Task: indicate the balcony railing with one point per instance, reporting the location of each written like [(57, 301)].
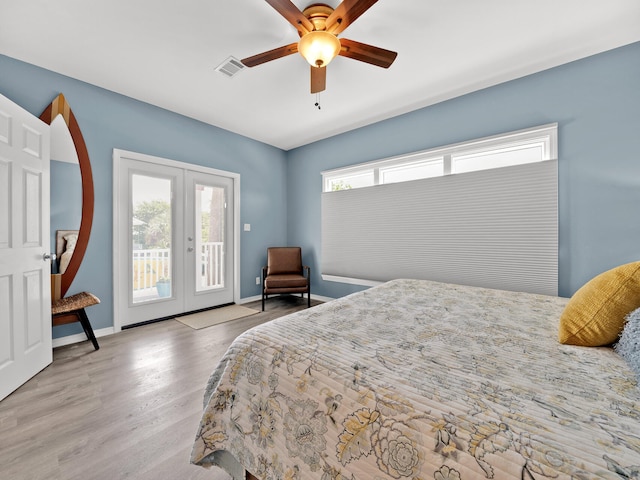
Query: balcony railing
[(212, 266), (151, 265)]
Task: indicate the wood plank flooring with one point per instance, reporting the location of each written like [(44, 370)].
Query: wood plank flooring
[(128, 410)]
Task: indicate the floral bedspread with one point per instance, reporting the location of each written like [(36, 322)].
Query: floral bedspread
[(422, 380)]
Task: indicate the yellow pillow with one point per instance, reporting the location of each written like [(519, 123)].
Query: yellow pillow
[(596, 313)]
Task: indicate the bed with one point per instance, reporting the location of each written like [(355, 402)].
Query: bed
[(421, 380)]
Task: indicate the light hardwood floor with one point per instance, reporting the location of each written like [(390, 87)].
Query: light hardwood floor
[(128, 410)]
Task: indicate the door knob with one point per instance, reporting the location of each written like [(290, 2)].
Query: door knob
[(48, 256)]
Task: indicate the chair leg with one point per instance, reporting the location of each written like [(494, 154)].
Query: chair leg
[(86, 325), (263, 300), (309, 299)]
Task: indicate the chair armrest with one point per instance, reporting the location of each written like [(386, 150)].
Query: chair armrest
[(307, 269)]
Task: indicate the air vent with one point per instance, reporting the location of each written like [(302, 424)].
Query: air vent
[(230, 67)]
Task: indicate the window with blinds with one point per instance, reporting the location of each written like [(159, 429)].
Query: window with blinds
[(487, 225)]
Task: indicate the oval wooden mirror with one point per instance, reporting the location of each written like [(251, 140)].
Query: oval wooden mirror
[(59, 106)]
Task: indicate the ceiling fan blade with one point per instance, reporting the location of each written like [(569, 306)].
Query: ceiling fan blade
[(346, 13), (318, 79), (274, 54), (367, 53), (292, 14)]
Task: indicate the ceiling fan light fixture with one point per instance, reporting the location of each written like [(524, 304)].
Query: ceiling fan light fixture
[(319, 47)]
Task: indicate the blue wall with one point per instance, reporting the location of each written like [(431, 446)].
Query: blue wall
[(596, 103), (109, 121)]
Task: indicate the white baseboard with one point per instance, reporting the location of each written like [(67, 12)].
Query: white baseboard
[(259, 297), (321, 299), (255, 298), (81, 337)]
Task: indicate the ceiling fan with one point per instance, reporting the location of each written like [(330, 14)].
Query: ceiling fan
[(318, 26)]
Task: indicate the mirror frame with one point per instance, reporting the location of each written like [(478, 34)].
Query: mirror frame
[(59, 106)]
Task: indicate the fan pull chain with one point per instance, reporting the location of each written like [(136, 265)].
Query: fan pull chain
[(317, 104)]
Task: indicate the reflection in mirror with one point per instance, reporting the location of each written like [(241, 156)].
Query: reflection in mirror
[(66, 193), (66, 241), (59, 114)]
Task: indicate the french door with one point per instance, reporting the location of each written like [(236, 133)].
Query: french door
[(175, 240)]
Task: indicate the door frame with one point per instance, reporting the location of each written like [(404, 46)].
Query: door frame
[(119, 197)]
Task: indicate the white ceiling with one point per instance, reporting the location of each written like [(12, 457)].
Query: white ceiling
[(165, 53)]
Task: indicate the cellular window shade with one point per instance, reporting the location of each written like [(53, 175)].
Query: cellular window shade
[(491, 228)]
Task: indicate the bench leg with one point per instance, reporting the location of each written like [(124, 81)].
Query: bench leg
[(86, 325)]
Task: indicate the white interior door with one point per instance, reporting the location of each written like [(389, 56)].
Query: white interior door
[(25, 289), (174, 237)]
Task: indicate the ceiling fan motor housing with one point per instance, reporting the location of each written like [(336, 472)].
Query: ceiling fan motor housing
[(317, 14)]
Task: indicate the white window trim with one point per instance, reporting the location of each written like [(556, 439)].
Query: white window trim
[(547, 132)]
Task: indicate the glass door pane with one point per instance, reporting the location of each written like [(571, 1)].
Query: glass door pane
[(151, 235), (209, 240), (210, 235)]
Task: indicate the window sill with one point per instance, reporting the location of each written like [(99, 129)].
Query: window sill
[(351, 281)]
